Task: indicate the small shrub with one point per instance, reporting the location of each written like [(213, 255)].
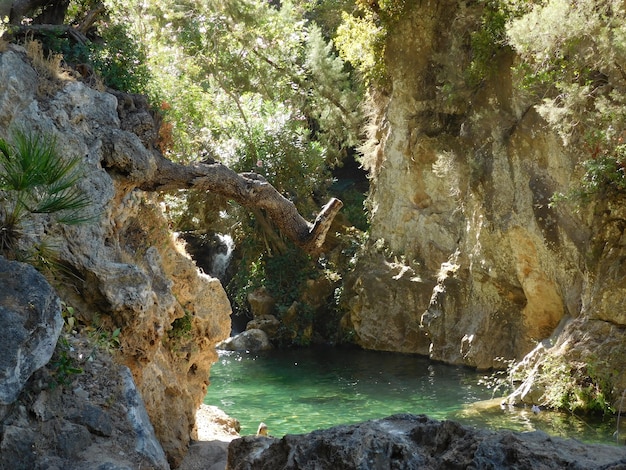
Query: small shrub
[(181, 327), (35, 179), (62, 365), (574, 387), (108, 341), (604, 175)]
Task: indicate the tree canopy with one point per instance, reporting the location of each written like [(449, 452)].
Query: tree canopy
[(249, 84)]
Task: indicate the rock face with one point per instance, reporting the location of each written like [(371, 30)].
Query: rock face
[(417, 442), (127, 271), (468, 261), (31, 323), (53, 413)]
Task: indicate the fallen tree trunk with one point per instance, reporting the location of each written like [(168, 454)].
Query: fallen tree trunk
[(249, 190)]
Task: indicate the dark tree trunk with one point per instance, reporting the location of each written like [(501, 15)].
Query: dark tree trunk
[(41, 11)]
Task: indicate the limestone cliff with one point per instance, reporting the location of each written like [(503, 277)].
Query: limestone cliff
[(127, 270), (467, 260)]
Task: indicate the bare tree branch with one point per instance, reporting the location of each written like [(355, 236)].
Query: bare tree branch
[(250, 190)]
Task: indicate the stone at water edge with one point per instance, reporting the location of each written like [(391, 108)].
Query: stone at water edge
[(252, 340), (410, 442)]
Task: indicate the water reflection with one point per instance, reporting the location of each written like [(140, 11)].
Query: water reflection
[(302, 390)]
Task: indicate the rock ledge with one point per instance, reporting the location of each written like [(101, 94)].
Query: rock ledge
[(418, 442)]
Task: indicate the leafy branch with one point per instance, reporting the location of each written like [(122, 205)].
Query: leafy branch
[(35, 179)]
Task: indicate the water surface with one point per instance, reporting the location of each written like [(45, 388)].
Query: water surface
[(298, 391)]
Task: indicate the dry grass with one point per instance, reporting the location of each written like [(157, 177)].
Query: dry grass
[(49, 67), (4, 45)]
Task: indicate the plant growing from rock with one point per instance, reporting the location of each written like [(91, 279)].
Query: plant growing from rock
[(63, 366), (35, 180)]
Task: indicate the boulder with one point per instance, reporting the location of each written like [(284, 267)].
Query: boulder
[(250, 340), (94, 418), (31, 324), (267, 323), (417, 442), (261, 302)]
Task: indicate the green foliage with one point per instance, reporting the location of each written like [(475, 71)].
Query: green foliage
[(572, 387), (105, 340), (116, 56), (237, 67), (181, 327), (389, 11), (282, 275), (604, 176), (120, 60), (487, 42), (354, 208), (62, 365), (572, 56), (327, 14), (35, 179), (361, 36), (361, 42)]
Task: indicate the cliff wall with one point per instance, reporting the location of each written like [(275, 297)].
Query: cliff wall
[(123, 269), (468, 262)]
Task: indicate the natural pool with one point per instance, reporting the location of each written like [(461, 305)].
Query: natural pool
[(297, 391)]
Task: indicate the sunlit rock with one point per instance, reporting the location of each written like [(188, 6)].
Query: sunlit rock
[(468, 261), (252, 340)]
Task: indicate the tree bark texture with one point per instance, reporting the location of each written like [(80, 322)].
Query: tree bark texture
[(249, 190)]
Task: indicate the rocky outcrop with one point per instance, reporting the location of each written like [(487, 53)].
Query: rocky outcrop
[(31, 324), (417, 442), (124, 269), (468, 261), (73, 409)]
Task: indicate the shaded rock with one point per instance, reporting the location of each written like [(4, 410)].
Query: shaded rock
[(95, 419), (31, 323), (250, 340), (416, 442), (17, 448), (72, 439), (146, 442), (267, 323), (261, 302), (51, 427)]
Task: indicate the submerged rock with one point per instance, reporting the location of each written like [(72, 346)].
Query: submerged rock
[(417, 442)]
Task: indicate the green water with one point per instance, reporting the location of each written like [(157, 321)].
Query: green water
[(298, 391)]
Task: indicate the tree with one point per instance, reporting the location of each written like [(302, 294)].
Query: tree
[(572, 59), (241, 91), (250, 190)]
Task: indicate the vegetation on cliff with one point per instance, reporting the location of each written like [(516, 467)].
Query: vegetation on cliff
[(274, 91), (36, 179)]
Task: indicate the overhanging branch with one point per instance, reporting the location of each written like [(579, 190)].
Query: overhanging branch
[(250, 190)]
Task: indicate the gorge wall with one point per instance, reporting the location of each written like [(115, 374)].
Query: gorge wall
[(468, 262), (123, 269)]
